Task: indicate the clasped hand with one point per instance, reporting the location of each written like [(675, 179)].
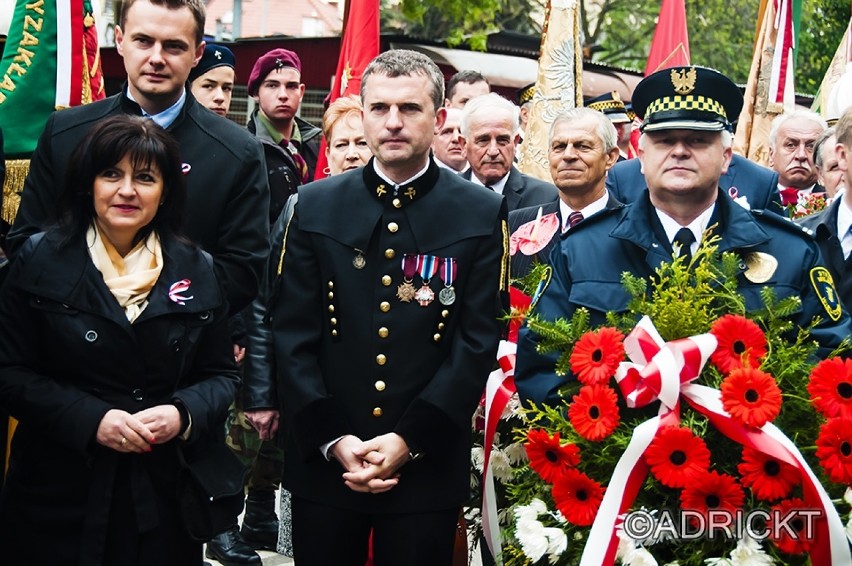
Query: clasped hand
[(123, 432), (372, 466)]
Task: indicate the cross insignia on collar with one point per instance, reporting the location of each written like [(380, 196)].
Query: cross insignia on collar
[(217, 54), (380, 190), (410, 192)]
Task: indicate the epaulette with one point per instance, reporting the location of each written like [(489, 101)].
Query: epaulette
[(782, 222), (594, 219)]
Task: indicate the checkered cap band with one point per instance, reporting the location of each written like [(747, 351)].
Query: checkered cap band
[(689, 102), (605, 105), (526, 95)]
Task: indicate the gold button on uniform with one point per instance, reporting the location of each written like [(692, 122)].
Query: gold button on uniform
[(334, 332), (386, 280), (333, 321), (330, 308), (381, 359), (383, 332), (330, 295), (445, 313), (384, 306), (393, 227), (377, 412), (380, 385), (397, 203), (331, 284), (440, 326), (390, 253), (436, 337)]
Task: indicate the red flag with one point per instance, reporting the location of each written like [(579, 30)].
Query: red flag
[(669, 48), (358, 46)]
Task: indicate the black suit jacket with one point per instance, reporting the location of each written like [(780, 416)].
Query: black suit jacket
[(523, 190), (823, 225), (758, 184), (521, 264)]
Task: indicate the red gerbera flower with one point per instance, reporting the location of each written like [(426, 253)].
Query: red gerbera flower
[(768, 477), (676, 456), (712, 491), (547, 456), (577, 496), (834, 449), (830, 388), (751, 396), (594, 412), (791, 531), (596, 355), (741, 343)]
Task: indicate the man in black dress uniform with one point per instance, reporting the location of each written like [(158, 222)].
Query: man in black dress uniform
[(385, 329)]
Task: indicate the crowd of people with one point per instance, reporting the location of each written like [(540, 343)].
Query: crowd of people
[(181, 297)]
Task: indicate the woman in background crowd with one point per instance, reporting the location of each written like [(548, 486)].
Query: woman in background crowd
[(114, 350)]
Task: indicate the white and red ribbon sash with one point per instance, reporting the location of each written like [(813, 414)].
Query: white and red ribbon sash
[(498, 391), (664, 371)]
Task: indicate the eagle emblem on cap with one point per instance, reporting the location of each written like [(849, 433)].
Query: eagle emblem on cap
[(684, 80)]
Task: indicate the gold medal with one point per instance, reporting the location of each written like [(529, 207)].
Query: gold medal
[(405, 291)]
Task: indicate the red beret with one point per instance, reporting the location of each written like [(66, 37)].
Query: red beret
[(275, 59)]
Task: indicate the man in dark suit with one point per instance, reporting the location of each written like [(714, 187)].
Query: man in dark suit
[(791, 153), (583, 147), (386, 334), (489, 124), (744, 178), (832, 227), (227, 191)]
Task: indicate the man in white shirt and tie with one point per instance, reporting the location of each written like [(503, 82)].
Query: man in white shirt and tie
[(832, 227), (791, 153), (583, 147)]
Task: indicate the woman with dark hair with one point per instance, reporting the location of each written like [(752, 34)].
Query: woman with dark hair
[(114, 357)]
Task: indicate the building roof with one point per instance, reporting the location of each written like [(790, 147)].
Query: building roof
[(263, 18)]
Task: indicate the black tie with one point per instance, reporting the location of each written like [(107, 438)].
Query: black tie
[(684, 238)]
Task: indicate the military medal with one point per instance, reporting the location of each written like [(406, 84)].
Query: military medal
[(405, 291), (427, 265), (358, 262), (447, 295)]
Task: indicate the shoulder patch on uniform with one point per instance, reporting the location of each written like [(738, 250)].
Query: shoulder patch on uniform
[(546, 275), (823, 285)]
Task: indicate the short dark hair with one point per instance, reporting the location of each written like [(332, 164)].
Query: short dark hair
[(107, 143), (199, 13), (407, 63), (466, 76)]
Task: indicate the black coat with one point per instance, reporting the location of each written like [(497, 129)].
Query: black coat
[(823, 226), (523, 190), (354, 359), (758, 184), (227, 194), (67, 356), (631, 239), (521, 264)]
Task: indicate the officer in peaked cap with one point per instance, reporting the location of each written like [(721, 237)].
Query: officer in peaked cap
[(684, 149), (611, 105), (523, 98), (697, 99)]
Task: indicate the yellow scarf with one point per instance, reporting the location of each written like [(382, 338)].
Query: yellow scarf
[(129, 278)]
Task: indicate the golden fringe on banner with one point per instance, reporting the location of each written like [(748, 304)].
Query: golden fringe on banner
[(559, 84), (16, 172)]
